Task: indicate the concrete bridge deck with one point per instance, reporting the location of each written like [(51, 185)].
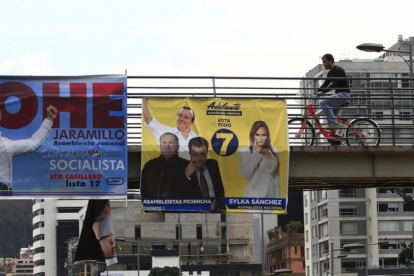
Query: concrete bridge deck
[(318, 167), (351, 167)]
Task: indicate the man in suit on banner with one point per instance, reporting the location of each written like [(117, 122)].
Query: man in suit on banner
[(204, 175), (164, 176)]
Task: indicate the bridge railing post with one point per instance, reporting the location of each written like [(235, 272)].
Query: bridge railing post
[(392, 112)]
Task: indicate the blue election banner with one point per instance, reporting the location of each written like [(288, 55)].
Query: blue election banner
[(63, 137)]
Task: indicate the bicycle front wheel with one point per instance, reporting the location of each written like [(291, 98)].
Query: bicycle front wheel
[(301, 134), (363, 132)]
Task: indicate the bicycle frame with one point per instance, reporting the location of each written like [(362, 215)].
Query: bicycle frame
[(328, 134)]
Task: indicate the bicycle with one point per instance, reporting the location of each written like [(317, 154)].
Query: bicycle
[(358, 132)]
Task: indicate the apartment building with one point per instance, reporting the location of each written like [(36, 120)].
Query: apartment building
[(54, 223), (286, 252), (366, 216)]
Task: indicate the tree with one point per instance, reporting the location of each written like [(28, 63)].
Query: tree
[(164, 271), (271, 234), (294, 227), (16, 226), (406, 255)]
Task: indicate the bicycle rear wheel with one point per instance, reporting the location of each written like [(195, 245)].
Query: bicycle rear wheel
[(363, 132), (301, 134)]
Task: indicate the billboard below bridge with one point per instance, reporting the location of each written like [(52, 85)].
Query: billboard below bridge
[(63, 137), (214, 155)]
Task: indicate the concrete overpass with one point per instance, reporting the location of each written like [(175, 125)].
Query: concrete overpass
[(342, 167)]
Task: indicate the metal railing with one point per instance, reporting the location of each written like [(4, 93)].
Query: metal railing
[(388, 101)]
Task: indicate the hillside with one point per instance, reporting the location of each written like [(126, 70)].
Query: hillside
[(15, 226)]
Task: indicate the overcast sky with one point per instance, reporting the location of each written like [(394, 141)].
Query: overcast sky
[(221, 38)]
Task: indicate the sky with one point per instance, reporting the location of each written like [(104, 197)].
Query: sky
[(192, 37)]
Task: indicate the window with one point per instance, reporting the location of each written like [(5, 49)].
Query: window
[(323, 230), (307, 253), (137, 232), (307, 235), (199, 232), (313, 195), (306, 218), (324, 194), (39, 238), (387, 207), (349, 209), (404, 115), (347, 193), (389, 262), (378, 115), (313, 213), (349, 228), (306, 200), (68, 209), (324, 247), (323, 211), (177, 232), (388, 226), (408, 225), (408, 207), (405, 83), (386, 191), (391, 245), (351, 265)]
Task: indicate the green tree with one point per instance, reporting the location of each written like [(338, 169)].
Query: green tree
[(164, 271), (271, 234), (294, 227), (16, 226), (406, 255)]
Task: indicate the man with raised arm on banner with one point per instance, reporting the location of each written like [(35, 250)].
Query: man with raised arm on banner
[(185, 119), (10, 148), (204, 174), (164, 176)]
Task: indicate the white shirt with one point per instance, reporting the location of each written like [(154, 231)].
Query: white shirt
[(159, 129), (10, 148)]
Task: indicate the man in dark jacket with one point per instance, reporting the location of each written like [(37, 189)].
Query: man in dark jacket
[(204, 174), (331, 104), (165, 176)]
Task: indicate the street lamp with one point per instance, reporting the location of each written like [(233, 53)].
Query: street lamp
[(366, 253), (374, 47), (348, 246), (284, 271)]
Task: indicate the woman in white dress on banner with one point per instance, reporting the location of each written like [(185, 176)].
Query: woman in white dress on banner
[(259, 164)]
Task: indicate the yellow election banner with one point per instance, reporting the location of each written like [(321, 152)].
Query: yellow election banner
[(214, 155)]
